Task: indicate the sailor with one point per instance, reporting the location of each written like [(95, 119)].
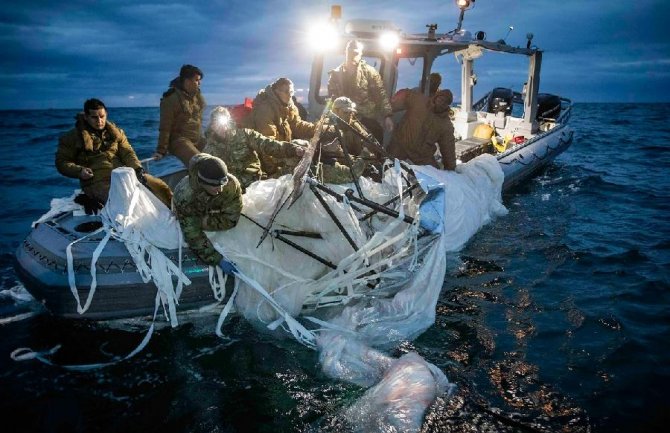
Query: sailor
[(95, 147), (434, 83), (350, 135), (426, 123), (248, 154), (181, 110), (362, 83), (208, 199), (275, 115)]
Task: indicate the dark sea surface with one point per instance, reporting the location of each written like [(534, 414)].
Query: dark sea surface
[(558, 319)]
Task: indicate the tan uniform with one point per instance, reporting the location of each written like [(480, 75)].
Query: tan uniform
[(419, 130), (364, 86), (274, 119), (102, 152), (180, 130)]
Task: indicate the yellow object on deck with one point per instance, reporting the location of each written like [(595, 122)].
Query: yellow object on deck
[(483, 131), (501, 147)]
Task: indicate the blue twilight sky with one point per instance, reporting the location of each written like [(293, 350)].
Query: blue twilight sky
[(55, 54)]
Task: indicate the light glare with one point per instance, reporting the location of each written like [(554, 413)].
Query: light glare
[(323, 37), (389, 41)]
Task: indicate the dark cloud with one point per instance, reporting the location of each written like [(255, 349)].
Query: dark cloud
[(55, 54)]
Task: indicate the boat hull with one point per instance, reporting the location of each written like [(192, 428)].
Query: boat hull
[(120, 292), (522, 162)]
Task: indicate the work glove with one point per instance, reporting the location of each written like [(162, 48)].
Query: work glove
[(91, 205), (228, 267), (139, 172)]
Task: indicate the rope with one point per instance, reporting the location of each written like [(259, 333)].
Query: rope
[(26, 353)]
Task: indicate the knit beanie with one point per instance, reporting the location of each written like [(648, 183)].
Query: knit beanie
[(213, 171)]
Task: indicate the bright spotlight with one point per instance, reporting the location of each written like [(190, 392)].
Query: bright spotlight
[(389, 40), (323, 37), (222, 121)]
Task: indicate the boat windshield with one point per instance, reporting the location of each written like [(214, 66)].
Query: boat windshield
[(409, 73)]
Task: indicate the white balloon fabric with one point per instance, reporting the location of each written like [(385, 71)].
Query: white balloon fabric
[(372, 288)]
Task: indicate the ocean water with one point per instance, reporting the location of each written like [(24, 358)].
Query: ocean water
[(558, 318)]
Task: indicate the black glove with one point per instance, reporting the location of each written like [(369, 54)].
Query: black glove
[(139, 172), (91, 205)]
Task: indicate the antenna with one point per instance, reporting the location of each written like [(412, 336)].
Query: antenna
[(463, 5), (508, 32)]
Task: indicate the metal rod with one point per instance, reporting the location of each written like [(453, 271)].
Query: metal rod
[(301, 233), (371, 213), (376, 206), (333, 217), (294, 245), (368, 139), (339, 197), (304, 250)]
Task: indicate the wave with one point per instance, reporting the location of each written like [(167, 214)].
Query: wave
[(45, 138), (654, 148), (60, 126)]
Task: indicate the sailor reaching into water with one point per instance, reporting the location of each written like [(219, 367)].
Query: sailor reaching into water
[(95, 147), (208, 199)]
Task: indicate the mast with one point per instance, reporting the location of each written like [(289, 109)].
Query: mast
[(532, 89)]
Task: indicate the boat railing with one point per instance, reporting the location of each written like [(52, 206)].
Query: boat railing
[(566, 111), (483, 102)]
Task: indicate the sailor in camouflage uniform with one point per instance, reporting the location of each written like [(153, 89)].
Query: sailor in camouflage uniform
[(208, 199), (95, 147), (338, 135), (252, 156), (182, 106), (248, 154), (360, 82)]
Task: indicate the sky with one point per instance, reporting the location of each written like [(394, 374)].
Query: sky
[(57, 54)]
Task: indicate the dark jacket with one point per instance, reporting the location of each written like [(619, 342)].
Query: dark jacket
[(274, 119), (419, 130), (180, 117), (101, 152)]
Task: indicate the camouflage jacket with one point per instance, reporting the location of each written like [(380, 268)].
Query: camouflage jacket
[(354, 143), (419, 130), (249, 155), (364, 86), (181, 116), (274, 119), (102, 152), (197, 211)]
